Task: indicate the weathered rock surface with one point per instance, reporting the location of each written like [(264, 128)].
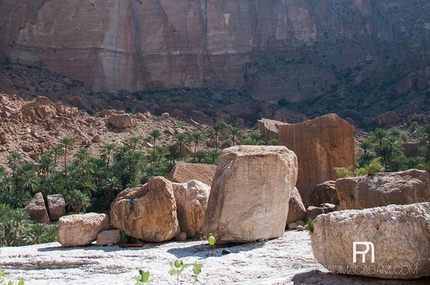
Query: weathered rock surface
[(37, 209), (323, 193), (407, 187), (320, 145), (81, 229), (396, 256), (296, 209), (183, 172), (388, 118), (268, 128), (250, 193), (191, 200), (153, 216), (134, 45), (56, 206), (108, 237)]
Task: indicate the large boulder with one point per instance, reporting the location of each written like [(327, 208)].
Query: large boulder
[(296, 209), (322, 193), (382, 189), (121, 121), (320, 145), (56, 206), (108, 237), (250, 193), (191, 200), (378, 230), (388, 118), (81, 229), (37, 209), (183, 172), (153, 216)]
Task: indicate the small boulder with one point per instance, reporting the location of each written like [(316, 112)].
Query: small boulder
[(81, 229), (296, 209), (395, 255), (182, 236), (37, 209), (56, 206), (312, 212), (108, 237), (323, 193)]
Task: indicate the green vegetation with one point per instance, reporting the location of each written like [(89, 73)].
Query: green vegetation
[(91, 183), (310, 225), (4, 282), (383, 151), (178, 266), (143, 278)]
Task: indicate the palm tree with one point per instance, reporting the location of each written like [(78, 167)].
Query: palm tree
[(135, 143), (14, 160), (214, 155), (255, 138), (173, 153), (425, 135), (77, 200), (182, 139), (365, 146), (154, 135), (160, 151), (67, 144), (106, 153), (216, 131), (199, 155), (197, 138), (234, 133), (45, 164), (378, 135), (57, 150)]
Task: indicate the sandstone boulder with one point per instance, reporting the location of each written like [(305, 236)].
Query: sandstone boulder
[(250, 193), (80, 103), (269, 128), (323, 193), (191, 200), (40, 108), (313, 211), (296, 209), (411, 149), (404, 187), (396, 255), (121, 121), (320, 145), (184, 172), (108, 237), (56, 206), (287, 116), (37, 209), (388, 118), (153, 216), (81, 229)]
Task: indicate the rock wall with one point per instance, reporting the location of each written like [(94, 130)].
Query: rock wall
[(277, 49)]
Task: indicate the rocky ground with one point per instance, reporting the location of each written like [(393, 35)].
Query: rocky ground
[(78, 113), (286, 260)]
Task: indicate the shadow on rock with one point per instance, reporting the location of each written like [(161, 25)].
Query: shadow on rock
[(316, 277)]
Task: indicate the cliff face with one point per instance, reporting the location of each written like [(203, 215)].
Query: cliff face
[(273, 48)]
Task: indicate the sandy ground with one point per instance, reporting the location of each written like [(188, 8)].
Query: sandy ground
[(286, 260)]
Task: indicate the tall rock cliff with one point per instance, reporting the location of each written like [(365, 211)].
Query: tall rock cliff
[(274, 48)]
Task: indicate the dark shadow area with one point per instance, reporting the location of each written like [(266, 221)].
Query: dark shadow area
[(220, 249), (315, 277)]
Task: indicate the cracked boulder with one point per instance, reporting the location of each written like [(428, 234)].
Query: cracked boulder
[(250, 193)]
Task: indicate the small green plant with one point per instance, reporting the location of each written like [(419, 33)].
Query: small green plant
[(310, 224), (177, 268), (143, 278), (371, 169), (4, 282), (196, 271), (343, 172), (181, 124)]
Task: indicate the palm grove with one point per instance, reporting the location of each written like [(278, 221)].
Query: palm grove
[(91, 183)]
